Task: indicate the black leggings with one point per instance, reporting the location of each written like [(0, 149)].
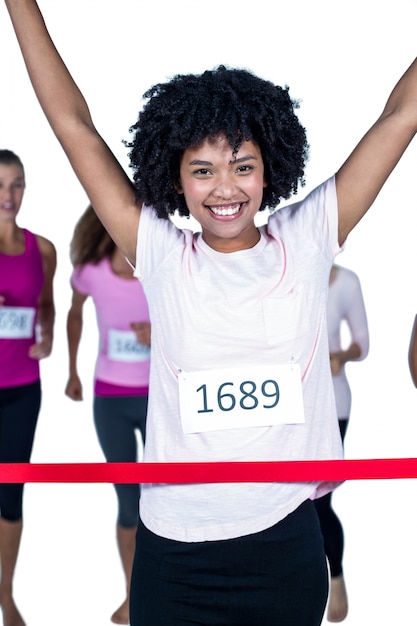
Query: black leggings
[(277, 577), (19, 410), (331, 526), (117, 419)]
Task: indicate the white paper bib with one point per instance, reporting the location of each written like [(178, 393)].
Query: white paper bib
[(240, 397), (16, 322), (124, 346)]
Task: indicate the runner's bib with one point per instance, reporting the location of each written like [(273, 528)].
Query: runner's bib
[(124, 346), (240, 398), (16, 322)]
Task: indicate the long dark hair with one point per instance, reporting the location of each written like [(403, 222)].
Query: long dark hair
[(90, 242)]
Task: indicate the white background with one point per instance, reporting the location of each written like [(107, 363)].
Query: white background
[(341, 59)]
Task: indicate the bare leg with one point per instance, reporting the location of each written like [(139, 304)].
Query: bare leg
[(126, 540), (338, 602), (10, 534)]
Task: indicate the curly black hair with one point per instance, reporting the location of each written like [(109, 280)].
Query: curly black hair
[(190, 108)]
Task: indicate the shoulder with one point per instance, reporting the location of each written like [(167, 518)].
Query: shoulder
[(312, 219), (46, 247), (91, 276), (348, 276), (348, 287), (321, 198)]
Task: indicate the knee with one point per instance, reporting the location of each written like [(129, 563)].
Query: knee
[(128, 509), (11, 497)]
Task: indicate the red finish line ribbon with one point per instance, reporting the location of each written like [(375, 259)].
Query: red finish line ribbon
[(235, 472)]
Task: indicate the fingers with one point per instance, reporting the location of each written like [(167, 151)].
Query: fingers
[(40, 350), (74, 389), (143, 332)]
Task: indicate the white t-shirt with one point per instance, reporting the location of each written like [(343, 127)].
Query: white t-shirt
[(212, 310), (345, 303)]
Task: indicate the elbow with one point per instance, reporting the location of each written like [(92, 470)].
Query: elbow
[(363, 354), (361, 350)]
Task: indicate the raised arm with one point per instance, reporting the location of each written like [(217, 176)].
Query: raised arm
[(363, 174), (102, 177)]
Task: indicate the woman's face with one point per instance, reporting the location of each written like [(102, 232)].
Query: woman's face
[(12, 187), (223, 192)]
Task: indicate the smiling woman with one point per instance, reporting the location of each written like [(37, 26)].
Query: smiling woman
[(223, 191), (240, 365), (224, 103)]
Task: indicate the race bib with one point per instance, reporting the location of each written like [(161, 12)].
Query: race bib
[(240, 398), (124, 346), (16, 322)]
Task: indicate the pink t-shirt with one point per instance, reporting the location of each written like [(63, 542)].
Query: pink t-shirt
[(121, 361), (21, 284)]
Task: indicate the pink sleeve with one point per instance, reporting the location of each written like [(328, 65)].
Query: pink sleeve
[(80, 279)]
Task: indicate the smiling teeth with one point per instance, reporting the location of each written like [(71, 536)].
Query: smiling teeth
[(225, 211)]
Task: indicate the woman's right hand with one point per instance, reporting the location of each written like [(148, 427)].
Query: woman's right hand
[(74, 388)]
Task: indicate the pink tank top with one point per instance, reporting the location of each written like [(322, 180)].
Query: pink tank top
[(21, 283)]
